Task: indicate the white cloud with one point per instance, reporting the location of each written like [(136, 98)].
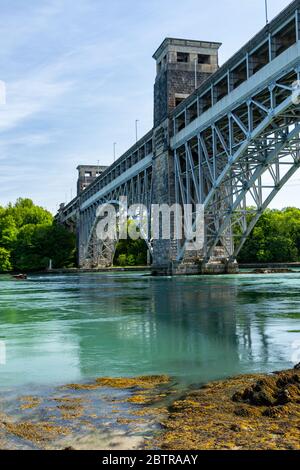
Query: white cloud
[(79, 73)]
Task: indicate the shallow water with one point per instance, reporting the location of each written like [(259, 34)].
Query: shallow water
[(71, 328)]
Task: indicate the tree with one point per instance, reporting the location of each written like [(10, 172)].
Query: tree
[(5, 264), (131, 253), (8, 231), (31, 238), (275, 238), (57, 243)]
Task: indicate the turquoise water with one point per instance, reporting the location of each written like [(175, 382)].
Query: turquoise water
[(67, 328)]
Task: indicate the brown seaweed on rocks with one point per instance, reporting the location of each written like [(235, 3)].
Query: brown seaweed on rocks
[(251, 412)]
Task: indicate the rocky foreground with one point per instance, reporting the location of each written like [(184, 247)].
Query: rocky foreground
[(252, 412), (249, 412)]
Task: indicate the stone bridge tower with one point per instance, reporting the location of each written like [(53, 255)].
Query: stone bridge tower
[(182, 66)]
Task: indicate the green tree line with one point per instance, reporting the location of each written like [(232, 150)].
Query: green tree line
[(275, 238), (29, 238)]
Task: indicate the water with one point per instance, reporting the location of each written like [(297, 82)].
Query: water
[(71, 328)]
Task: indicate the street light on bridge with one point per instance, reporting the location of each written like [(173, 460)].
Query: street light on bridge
[(266, 7), (136, 129), (115, 144)]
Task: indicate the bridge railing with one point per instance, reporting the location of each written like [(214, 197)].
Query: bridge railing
[(267, 45), (135, 154)]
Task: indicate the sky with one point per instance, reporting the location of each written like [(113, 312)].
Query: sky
[(79, 73)]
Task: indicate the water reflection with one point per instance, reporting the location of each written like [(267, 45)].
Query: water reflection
[(67, 328)]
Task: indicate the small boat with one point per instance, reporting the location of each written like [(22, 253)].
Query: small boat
[(20, 277)]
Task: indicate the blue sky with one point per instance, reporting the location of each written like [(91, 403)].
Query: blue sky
[(79, 73)]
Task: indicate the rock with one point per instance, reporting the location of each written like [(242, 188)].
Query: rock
[(283, 397), (246, 411), (272, 391), (237, 397)]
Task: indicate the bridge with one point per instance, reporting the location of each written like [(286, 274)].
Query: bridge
[(225, 137)]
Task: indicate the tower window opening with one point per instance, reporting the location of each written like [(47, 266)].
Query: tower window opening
[(204, 59), (182, 57)]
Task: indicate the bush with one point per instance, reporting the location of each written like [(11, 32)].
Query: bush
[(133, 251), (131, 260), (122, 260)]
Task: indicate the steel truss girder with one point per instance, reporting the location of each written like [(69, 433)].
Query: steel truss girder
[(227, 164), (100, 253)]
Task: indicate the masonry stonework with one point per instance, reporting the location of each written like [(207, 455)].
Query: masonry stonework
[(182, 66)]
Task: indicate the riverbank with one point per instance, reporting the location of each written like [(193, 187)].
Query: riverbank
[(295, 265), (252, 268), (248, 412), (113, 269)]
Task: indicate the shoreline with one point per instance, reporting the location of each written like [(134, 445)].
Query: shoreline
[(259, 269), (103, 414), (246, 412)]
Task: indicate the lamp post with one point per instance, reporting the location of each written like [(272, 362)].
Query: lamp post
[(136, 129), (115, 144), (266, 8)]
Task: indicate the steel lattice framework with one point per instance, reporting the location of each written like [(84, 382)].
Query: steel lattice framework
[(100, 253), (231, 146), (237, 164)]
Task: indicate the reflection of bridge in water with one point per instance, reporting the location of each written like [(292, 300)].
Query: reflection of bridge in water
[(140, 325), (230, 145)]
